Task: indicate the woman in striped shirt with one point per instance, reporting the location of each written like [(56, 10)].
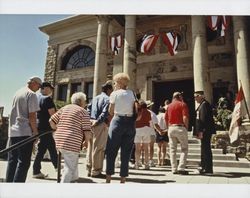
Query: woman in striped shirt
[(73, 128)]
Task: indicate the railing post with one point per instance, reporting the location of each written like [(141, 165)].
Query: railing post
[(59, 167)]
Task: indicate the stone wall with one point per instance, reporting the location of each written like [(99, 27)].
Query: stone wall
[(50, 67)]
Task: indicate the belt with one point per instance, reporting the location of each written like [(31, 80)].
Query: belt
[(124, 115), (179, 125)]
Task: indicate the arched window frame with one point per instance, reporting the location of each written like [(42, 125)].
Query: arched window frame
[(79, 57)]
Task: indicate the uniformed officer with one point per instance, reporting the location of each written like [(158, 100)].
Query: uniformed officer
[(203, 130)]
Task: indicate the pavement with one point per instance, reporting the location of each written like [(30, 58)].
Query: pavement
[(156, 175), (157, 182)]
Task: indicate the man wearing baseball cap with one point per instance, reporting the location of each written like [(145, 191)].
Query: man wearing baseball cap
[(177, 118), (47, 142), (22, 125)]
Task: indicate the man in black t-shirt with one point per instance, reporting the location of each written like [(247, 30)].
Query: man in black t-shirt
[(47, 108)]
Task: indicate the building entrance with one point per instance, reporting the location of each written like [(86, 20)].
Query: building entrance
[(165, 90)]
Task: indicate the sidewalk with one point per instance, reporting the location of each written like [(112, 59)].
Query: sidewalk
[(156, 175)]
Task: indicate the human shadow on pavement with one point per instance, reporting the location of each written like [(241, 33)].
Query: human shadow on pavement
[(227, 175), (230, 175), (145, 181), (143, 173), (85, 180)]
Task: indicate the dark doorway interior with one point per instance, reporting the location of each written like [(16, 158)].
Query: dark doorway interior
[(165, 90)]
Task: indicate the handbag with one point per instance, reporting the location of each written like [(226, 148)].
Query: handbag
[(135, 107)]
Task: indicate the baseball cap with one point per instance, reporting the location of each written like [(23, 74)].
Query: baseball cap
[(198, 93), (149, 103), (47, 84), (35, 79), (176, 94)]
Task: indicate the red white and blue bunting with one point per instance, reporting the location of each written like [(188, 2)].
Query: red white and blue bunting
[(172, 40), (148, 43), (116, 43), (218, 22)]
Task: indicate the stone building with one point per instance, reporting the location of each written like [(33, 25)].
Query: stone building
[(79, 56)]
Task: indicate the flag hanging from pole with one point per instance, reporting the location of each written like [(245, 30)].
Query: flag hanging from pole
[(239, 111)]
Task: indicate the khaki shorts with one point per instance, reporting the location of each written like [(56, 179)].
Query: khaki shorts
[(142, 135)]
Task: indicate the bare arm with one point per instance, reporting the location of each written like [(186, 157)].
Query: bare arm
[(185, 120), (111, 109), (51, 111), (33, 124), (52, 124)]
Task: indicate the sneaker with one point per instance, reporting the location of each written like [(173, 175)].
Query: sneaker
[(140, 163), (40, 176), (151, 163), (135, 166), (146, 167)]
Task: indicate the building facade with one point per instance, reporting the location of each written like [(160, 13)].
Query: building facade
[(81, 56)]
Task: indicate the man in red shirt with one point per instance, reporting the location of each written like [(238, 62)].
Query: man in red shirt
[(177, 118)]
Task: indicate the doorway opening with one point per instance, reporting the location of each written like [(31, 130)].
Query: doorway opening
[(164, 90)]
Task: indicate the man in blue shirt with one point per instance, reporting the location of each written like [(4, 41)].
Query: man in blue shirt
[(98, 110)]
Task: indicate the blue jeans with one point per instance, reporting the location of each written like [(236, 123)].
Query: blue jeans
[(46, 142), (18, 160), (121, 135)]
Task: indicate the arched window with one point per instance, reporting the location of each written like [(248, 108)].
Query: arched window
[(80, 56)]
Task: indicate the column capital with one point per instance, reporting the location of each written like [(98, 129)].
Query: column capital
[(103, 18)]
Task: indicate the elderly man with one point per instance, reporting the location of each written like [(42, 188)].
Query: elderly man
[(177, 118), (73, 130), (203, 130), (47, 142), (98, 110), (22, 124)]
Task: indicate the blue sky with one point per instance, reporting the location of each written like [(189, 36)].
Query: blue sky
[(23, 49)]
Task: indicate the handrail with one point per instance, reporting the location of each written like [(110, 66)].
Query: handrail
[(30, 139), (23, 142)]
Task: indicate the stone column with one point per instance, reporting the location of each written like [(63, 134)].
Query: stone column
[(200, 57), (68, 92), (241, 43), (100, 73), (129, 63)]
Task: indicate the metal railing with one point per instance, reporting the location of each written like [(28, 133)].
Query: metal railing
[(30, 139)]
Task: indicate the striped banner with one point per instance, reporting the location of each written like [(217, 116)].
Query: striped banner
[(116, 43), (172, 40), (220, 23), (148, 43)]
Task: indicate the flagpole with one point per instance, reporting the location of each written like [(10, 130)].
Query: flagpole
[(245, 101)]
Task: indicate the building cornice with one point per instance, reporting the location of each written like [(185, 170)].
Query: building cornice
[(66, 23)]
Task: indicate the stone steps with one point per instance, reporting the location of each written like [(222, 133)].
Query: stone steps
[(215, 156), (219, 159)]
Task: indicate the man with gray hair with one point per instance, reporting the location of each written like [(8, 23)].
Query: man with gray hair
[(177, 118), (73, 130), (203, 129), (22, 125), (98, 111)]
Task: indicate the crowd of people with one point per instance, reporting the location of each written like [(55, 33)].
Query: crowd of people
[(114, 121)]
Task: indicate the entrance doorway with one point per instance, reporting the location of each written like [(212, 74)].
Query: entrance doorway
[(165, 90)]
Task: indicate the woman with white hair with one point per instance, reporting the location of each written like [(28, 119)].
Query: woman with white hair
[(73, 128), (122, 127)]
